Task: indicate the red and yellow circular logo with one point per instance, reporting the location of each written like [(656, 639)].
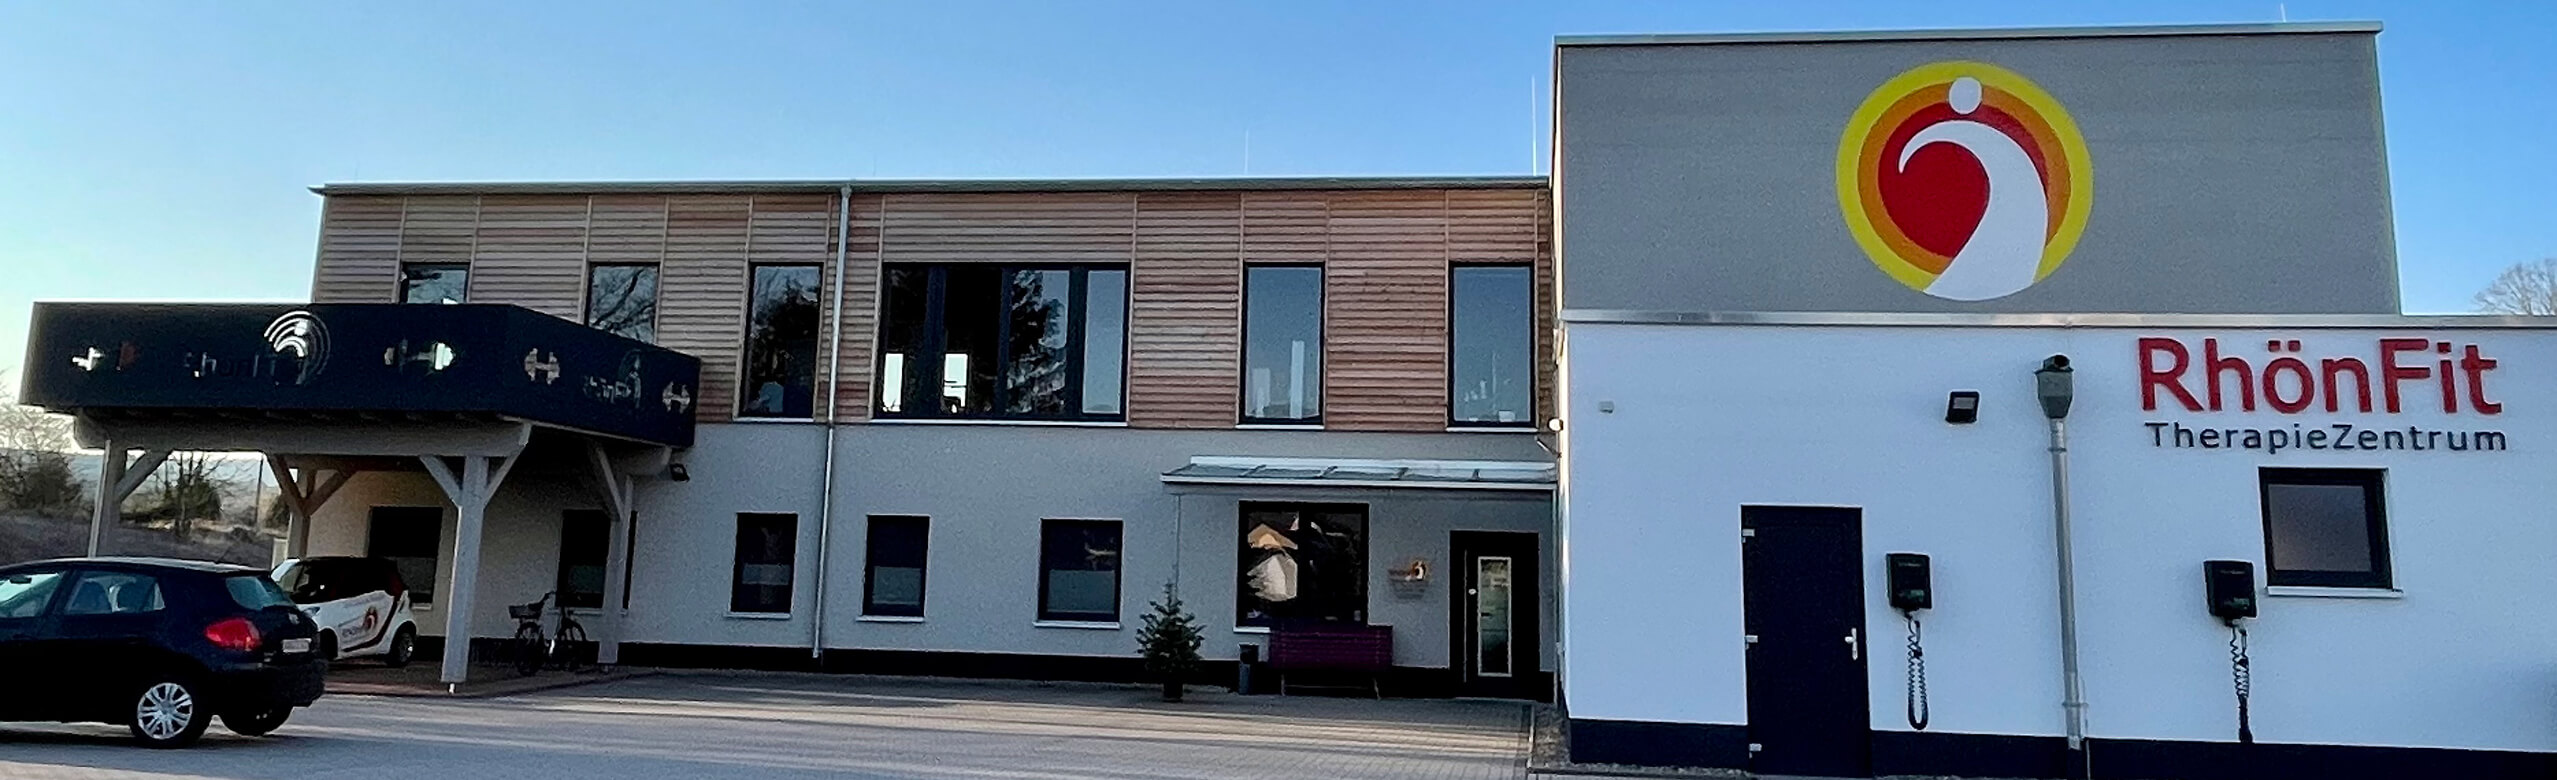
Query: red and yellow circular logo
[(1964, 180)]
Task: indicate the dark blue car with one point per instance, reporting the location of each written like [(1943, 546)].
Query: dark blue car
[(162, 646)]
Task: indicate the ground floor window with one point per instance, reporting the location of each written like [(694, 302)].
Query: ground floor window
[(767, 557), (584, 536), (892, 580), (411, 537), (1301, 562), (2325, 527), (1079, 570)]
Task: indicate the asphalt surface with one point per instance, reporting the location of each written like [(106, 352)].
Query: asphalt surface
[(807, 726)]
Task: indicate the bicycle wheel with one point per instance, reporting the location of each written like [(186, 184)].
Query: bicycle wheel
[(572, 650), (528, 650)]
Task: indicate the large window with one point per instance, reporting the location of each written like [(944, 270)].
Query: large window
[(767, 558), (434, 282), (1301, 562), (114, 593), (1079, 570), (1283, 344), (584, 535), (410, 537), (2325, 527), (1013, 342), (622, 300), (781, 343), (892, 579), (1492, 361)]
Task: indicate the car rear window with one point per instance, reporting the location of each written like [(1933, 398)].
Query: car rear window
[(254, 591)]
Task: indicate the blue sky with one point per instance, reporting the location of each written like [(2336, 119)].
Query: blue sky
[(162, 150)]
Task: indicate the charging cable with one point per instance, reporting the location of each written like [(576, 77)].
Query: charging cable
[(1917, 675)]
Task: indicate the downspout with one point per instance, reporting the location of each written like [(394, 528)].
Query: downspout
[(834, 386), (2055, 387)]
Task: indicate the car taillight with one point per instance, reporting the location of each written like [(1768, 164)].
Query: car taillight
[(234, 634)]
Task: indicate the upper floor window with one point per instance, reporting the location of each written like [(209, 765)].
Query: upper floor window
[(622, 300), (1491, 365), (1283, 344), (781, 343), (995, 341), (434, 282)]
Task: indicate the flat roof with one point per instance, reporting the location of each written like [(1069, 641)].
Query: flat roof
[(1974, 34), (937, 185)]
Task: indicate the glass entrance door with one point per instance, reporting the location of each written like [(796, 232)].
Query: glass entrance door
[(1492, 616)]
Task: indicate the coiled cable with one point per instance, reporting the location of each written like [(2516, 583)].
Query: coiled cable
[(2242, 677), (1917, 676)]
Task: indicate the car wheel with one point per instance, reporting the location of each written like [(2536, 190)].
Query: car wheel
[(325, 646), (167, 714), (255, 724), (403, 647)]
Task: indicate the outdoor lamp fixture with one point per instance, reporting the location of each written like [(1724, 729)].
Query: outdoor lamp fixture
[(2052, 385), (1963, 408), (676, 472)]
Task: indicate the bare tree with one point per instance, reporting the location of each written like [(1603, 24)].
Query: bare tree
[(35, 460), (187, 487), (2526, 288)]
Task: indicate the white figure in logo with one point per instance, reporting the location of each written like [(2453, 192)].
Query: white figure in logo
[(2005, 251)]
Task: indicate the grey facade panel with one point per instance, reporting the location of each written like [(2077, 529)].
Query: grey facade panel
[(2232, 174)]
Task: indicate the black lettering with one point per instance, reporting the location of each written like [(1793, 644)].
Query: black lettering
[(2435, 437), (2317, 439), (2368, 439), (2393, 440), (2157, 434), (2490, 440), (2183, 436), (2211, 438), (2459, 441), (2278, 439), (2254, 439), (2343, 436)]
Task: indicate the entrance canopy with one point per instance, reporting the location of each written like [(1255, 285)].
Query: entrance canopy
[(327, 390), (1365, 473)]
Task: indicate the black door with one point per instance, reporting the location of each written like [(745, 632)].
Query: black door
[(1495, 600), (27, 657), (1803, 594), (109, 629)]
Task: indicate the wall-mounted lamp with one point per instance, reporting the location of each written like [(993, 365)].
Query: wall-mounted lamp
[(676, 472), (1416, 570), (1963, 408)]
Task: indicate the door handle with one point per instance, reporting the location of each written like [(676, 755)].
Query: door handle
[(1855, 646)]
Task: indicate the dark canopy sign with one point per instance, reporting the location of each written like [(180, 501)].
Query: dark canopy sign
[(359, 358)]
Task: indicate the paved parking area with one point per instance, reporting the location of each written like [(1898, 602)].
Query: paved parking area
[(795, 726)]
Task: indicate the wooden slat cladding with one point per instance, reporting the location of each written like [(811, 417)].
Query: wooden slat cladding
[(860, 308), (438, 228), (1185, 326), (701, 292), (1286, 227), (627, 229), (530, 250), (799, 229), (1077, 227), (1385, 312), (359, 250)]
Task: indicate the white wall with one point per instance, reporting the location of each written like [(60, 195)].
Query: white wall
[(1709, 418)]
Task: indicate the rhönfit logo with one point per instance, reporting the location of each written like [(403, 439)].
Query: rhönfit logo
[(1964, 181)]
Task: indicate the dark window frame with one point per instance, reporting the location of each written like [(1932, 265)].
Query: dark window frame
[(1322, 339), (870, 607), (933, 347), (1366, 609), (1118, 572), (656, 296), (2374, 485), (603, 560), (1533, 377), (403, 280), (737, 597), (746, 346), (421, 594)]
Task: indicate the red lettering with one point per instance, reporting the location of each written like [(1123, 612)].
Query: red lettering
[(2450, 389), (2395, 373), (2476, 366), (2273, 386), (2213, 365), (2336, 367), (2171, 377)]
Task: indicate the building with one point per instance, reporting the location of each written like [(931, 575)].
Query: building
[(1807, 282), (1642, 438), (1292, 399)]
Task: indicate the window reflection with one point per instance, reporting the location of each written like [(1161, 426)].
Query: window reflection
[(434, 282), (622, 300), (781, 342), (1491, 368), (1044, 343), (1283, 344)]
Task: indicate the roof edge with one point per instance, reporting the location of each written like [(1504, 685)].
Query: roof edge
[(1976, 34), (937, 185)]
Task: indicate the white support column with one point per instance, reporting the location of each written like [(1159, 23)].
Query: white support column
[(116, 482), (615, 492), (469, 491)]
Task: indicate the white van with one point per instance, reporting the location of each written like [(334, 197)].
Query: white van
[(360, 604)]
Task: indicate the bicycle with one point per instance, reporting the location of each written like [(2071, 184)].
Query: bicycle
[(532, 649)]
